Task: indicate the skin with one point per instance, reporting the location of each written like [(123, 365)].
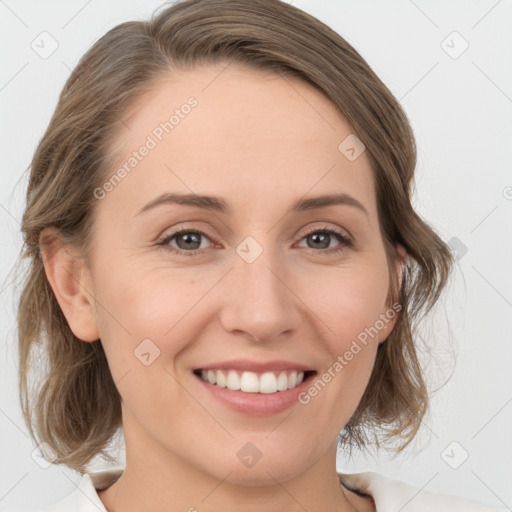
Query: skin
[(260, 142)]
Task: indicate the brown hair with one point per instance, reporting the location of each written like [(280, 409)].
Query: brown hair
[(77, 407)]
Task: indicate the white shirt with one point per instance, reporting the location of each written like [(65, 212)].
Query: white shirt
[(389, 495)]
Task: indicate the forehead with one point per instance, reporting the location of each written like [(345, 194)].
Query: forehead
[(255, 132)]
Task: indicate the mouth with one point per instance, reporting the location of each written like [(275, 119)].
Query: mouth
[(268, 383), (254, 388)]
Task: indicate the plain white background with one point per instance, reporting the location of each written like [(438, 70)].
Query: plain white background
[(459, 101)]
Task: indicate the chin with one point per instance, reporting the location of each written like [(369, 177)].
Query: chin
[(260, 471)]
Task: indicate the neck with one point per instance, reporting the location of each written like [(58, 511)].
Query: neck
[(155, 480)]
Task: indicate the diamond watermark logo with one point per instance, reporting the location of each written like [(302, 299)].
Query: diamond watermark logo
[(44, 45), (454, 455), (146, 352), (454, 45), (249, 455), (249, 249), (351, 147)]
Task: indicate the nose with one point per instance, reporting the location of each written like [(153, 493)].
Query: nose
[(258, 299)]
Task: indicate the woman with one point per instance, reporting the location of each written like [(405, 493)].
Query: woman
[(258, 136)]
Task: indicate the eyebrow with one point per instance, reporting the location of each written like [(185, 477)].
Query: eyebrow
[(217, 204)]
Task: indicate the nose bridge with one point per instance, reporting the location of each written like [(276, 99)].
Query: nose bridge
[(259, 302), (260, 277)]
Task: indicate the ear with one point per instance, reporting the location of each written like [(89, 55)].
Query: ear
[(391, 311), (71, 284)]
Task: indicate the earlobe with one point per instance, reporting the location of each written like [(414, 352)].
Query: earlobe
[(69, 281)]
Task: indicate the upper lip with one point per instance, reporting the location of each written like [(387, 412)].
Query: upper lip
[(256, 366)]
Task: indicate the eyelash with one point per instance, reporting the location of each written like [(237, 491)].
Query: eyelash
[(163, 243)]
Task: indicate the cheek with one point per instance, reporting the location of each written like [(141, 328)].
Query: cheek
[(350, 308), (351, 303), (145, 327), (141, 312)]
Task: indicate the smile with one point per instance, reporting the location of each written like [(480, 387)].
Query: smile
[(253, 382), (252, 387)]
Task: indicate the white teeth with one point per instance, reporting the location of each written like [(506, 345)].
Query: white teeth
[(251, 382), (268, 383), (233, 380), (282, 382), (222, 380)]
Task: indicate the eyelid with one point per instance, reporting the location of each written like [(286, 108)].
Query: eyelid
[(170, 232), (163, 240), (342, 232)]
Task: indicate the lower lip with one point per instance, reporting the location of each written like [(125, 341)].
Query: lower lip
[(256, 404)]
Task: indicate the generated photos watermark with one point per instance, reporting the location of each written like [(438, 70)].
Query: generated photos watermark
[(343, 360), (152, 140)]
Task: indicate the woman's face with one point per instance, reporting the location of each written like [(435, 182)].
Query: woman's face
[(253, 285)]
